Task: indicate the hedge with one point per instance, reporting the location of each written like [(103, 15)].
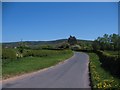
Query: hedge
[(110, 62), (42, 53)]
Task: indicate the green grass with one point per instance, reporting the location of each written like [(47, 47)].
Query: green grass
[(30, 64), (112, 52), (101, 78)]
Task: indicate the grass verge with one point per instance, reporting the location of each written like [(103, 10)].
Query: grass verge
[(112, 52), (99, 77), (29, 64)]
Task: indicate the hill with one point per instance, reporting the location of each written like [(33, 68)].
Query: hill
[(36, 43)]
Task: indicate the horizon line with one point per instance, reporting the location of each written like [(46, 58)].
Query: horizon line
[(41, 40)]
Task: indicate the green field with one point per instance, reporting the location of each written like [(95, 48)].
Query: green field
[(101, 78), (30, 64)]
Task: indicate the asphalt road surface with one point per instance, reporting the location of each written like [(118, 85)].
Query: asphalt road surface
[(72, 73)]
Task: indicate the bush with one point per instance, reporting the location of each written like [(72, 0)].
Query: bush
[(8, 54), (34, 53), (75, 47)]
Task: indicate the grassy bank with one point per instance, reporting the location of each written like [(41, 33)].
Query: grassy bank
[(112, 52), (29, 64), (101, 78)]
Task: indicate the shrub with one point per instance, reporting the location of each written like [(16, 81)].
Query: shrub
[(8, 54), (75, 47)]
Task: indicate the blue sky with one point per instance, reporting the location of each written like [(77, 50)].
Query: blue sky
[(50, 21)]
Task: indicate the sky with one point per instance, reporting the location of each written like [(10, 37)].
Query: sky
[(45, 21)]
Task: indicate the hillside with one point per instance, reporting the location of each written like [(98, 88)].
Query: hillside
[(36, 43)]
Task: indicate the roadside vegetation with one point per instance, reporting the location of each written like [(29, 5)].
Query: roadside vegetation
[(19, 61), (108, 50), (105, 62), (99, 76), (33, 63), (111, 52)]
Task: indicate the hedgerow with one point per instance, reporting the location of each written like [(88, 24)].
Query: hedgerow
[(110, 62), (42, 53), (100, 79)]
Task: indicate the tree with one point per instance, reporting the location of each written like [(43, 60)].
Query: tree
[(21, 46), (96, 45), (72, 40), (115, 40), (108, 42)]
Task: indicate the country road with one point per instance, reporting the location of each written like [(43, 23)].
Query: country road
[(73, 73)]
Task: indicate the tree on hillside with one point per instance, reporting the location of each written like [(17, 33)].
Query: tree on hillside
[(72, 40), (22, 45)]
